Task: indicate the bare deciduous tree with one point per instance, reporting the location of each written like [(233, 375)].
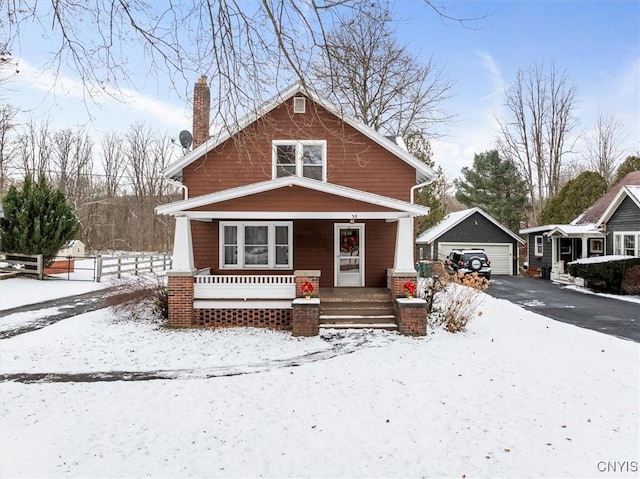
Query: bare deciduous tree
[(534, 134), (247, 49), (604, 146), (379, 81), (8, 148), (35, 145)]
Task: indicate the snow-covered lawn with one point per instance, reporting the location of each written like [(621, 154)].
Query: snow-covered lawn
[(21, 291), (517, 395)]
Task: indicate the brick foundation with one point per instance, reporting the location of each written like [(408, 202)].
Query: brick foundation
[(411, 315), (180, 299), (306, 317), (279, 319)]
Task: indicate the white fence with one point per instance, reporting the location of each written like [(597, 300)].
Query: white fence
[(90, 268), (131, 264), (244, 287)]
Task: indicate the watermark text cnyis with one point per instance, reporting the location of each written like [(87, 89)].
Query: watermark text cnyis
[(617, 466)]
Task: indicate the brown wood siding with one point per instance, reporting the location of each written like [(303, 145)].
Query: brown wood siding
[(352, 158), (204, 236), (292, 198), (313, 248)]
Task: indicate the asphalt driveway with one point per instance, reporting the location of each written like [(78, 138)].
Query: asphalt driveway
[(606, 315)]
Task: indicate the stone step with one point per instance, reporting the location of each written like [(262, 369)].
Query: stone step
[(345, 325), (352, 310), (354, 319)]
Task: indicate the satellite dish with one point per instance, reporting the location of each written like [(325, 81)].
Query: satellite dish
[(185, 139)]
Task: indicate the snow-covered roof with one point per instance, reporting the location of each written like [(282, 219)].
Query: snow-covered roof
[(394, 146), (180, 207), (575, 230), (455, 218)]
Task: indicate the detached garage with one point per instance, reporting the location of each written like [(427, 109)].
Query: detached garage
[(472, 228)]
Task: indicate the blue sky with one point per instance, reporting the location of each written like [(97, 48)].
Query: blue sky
[(596, 42)]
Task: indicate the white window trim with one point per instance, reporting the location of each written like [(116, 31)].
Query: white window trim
[(596, 241), (618, 241), (299, 144), (538, 241), (271, 244)]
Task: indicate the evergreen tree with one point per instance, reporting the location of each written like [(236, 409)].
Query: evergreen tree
[(37, 220), (631, 163), (575, 197), (434, 194), (494, 185)]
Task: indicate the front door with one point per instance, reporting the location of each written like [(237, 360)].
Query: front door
[(349, 248)]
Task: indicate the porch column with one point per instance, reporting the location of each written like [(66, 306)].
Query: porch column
[(404, 260), (585, 252), (554, 255), (180, 276), (182, 246)]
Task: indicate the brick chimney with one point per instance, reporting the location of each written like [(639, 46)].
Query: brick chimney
[(201, 111)]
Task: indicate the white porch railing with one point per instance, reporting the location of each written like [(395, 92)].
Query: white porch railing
[(244, 287)]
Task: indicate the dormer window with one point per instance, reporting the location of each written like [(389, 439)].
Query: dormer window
[(306, 158)]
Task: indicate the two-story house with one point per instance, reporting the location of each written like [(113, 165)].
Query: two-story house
[(294, 193)]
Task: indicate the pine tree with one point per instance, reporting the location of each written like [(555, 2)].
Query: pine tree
[(494, 185), (432, 195), (576, 196), (37, 220), (631, 163)]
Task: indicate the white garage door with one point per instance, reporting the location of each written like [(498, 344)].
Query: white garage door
[(500, 254)]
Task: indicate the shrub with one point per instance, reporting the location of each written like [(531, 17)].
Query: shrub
[(147, 298), (604, 275), (453, 300), (631, 281)]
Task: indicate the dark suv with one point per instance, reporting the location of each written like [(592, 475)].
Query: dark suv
[(469, 261)]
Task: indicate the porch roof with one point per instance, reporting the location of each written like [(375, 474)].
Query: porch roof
[(397, 208), (573, 231), (565, 230)]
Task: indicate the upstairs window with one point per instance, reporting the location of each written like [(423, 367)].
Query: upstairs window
[(307, 158)]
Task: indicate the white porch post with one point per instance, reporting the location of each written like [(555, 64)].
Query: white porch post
[(555, 265), (585, 252), (182, 246), (403, 262)]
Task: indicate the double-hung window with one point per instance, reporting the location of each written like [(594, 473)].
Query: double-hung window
[(626, 243), (256, 245), (307, 158), (538, 245)]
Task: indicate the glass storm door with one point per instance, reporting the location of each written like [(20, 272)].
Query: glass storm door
[(349, 247)]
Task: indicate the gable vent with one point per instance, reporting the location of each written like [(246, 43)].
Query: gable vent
[(299, 104)]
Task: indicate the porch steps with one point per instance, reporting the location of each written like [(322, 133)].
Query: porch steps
[(357, 308)]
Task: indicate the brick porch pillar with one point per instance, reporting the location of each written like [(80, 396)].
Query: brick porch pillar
[(306, 317), (180, 299), (310, 275), (396, 280), (411, 315)]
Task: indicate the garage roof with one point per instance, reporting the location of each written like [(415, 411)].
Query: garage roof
[(455, 218)]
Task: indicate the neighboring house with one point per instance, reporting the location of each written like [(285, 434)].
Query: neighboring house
[(472, 228), (74, 248), (294, 193), (611, 226)]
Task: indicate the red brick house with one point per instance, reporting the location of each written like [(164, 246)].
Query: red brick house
[(294, 193)]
